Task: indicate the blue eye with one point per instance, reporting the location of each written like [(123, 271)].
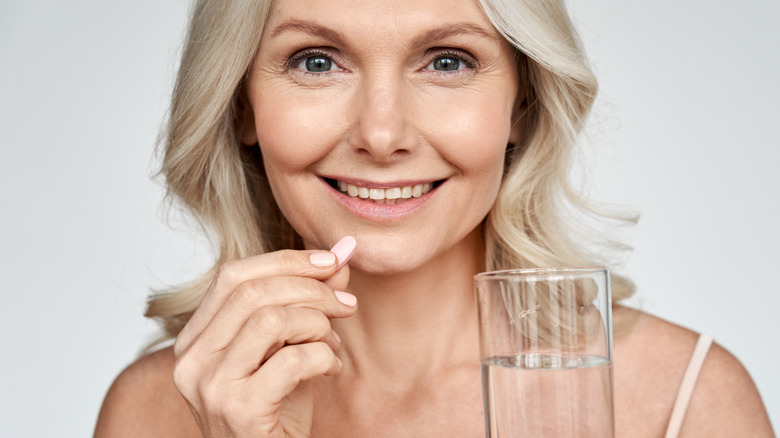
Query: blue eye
[(317, 64), (451, 61), (446, 63)]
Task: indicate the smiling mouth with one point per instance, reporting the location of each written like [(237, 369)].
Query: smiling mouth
[(388, 195)]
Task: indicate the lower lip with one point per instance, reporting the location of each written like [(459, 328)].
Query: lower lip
[(381, 212)]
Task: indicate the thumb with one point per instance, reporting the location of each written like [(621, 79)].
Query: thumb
[(340, 279)]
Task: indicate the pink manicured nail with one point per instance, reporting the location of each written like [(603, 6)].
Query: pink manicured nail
[(336, 335), (346, 298), (344, 249), (322, 259)]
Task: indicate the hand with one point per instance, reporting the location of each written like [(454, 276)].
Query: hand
[(262, 330)]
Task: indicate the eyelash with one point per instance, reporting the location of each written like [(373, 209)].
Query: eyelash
[(298, 57), (462, 56)]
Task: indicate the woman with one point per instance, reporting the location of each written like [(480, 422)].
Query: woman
[(434, 135)]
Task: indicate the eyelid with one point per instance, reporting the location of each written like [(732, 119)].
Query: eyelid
[(298, 57), (462, 55)]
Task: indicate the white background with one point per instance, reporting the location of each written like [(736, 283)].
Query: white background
[(686, 132)]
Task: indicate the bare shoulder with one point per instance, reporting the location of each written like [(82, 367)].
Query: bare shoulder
[(651, 357), (143, 401), (725, 402)]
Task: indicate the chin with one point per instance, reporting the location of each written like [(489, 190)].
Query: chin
[(381, 261), (398, 255), (382, 268)]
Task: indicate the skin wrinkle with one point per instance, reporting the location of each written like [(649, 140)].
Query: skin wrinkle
[(410, 366), (386, 87), (426, 39)]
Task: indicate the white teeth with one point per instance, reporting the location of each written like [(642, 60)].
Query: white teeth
[(393, 193), (376, 193), (389, 194)]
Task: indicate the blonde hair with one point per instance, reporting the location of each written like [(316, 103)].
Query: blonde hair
[(223, 184), (527, 226)]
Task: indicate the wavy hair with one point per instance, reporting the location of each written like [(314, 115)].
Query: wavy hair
[(223, 185)]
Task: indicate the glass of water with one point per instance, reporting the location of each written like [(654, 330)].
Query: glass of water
[(546, 352)]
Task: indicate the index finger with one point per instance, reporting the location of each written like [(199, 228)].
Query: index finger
[(319, 265)]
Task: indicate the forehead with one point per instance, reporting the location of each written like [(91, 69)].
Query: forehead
[(380, 19)]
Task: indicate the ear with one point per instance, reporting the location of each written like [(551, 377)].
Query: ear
[(245, 121)]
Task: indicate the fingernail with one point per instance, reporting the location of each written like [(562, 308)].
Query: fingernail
[(346, 298), (338, 338), (341, 365), (322, 259), (344, 249)]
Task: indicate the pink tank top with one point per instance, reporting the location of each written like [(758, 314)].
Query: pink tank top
[(687, 385)]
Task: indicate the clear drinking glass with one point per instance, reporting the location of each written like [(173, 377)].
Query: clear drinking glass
[(546, 352)]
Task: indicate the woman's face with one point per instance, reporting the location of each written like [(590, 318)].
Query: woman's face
[(385, 120)]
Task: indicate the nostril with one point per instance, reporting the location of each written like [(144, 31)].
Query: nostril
[(385, 136), (378, 155)]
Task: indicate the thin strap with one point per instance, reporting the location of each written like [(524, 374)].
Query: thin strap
[(686, 387)]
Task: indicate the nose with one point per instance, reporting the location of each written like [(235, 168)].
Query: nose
[(382, 130)]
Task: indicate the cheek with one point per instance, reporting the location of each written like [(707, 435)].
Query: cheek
[(476, 137), (293, 135)]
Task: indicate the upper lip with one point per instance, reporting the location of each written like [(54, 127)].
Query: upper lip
[(382, 185)]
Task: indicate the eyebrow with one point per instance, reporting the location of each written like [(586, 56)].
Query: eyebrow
[(427, 38), (450, 30), (311, 29)]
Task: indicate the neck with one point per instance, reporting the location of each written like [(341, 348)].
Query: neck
[(411, 325)]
